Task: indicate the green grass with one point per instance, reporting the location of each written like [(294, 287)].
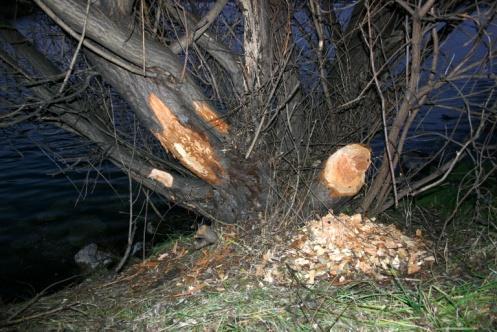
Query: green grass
[(169, 243), (444, 198), (365, 305)]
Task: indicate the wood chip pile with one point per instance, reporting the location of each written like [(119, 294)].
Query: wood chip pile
[(344, 248)]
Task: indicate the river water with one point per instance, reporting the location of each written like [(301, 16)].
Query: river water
[(48, 213)]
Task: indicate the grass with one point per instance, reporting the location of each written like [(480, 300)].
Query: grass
[(444, 198), (242, 303), (167, 245), (365, 305)]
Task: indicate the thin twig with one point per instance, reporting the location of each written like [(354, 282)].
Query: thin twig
[(202, 26), (459, 154), (383, 111), (78, 48), (38, 296), (38, 315), (268, 101)]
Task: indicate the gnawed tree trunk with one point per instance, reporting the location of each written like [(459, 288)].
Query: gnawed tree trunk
[(171, 105), (342, 177), (217, 181), (73, 116)]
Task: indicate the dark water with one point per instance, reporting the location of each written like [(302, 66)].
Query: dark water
[(54, 200), (48, 213)]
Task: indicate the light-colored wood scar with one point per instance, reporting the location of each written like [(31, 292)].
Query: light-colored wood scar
[(210, 116), (344, 171), (190, 147), (163, 177)]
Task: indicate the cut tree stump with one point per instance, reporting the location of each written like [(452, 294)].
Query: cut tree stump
[(342, 176)]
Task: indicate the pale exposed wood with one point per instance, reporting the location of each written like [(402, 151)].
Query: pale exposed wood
[(191, 148), (163, 177), (206, 112), (344, 171), (342, 177)]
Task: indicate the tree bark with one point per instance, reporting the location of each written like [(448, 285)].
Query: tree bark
[(256, 41)]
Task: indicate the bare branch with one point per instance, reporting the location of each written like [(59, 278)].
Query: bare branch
[(199, 29), (225, 57)]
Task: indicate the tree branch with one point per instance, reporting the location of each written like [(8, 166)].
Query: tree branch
[(199, 29), (91, 45), (225, 57)]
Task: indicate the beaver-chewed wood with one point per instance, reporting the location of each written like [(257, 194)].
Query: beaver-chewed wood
[(342, 176)]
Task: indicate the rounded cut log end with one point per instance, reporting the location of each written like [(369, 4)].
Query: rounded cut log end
[(344, 171)]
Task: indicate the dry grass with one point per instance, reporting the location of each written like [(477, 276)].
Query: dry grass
[(217, 289)]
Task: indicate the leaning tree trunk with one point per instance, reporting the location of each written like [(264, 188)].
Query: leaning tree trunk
[(169, 104), (222, 185), (73, 116)]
